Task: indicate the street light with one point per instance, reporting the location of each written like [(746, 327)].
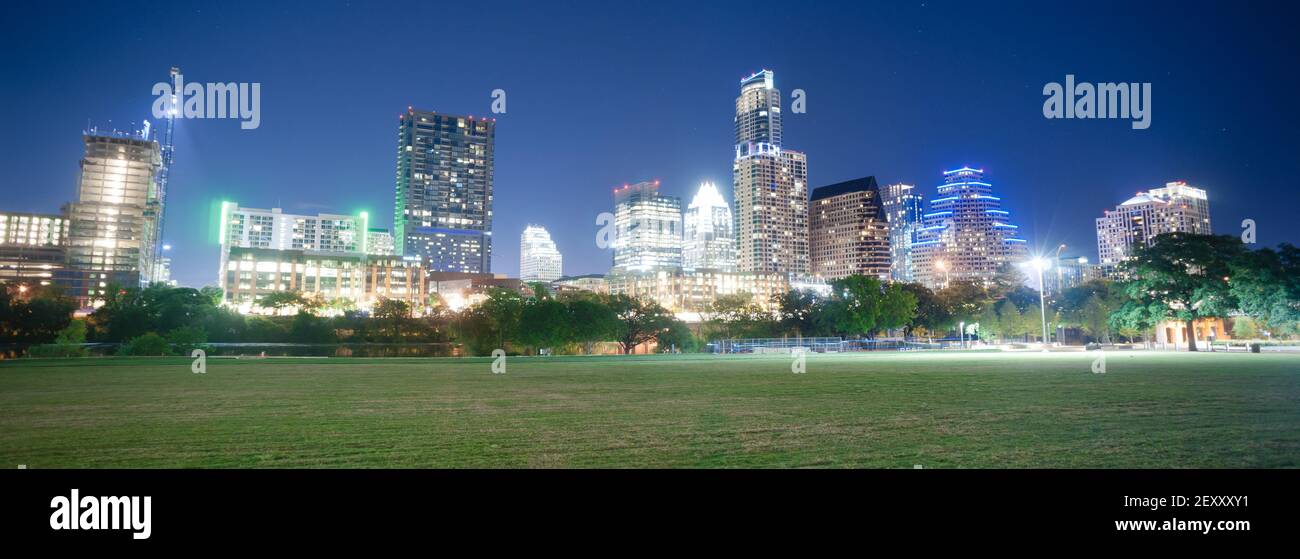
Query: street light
[(1042, 264), (943, 266)]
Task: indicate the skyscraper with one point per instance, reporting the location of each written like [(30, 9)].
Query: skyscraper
[(113, 231), (902, 204), (539, 260), (647, 229), (848, 230), (771, 185), (710, 242), (443, 210), (966, 235), (1176, 208)]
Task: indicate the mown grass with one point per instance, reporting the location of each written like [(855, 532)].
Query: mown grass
[(890, 410)]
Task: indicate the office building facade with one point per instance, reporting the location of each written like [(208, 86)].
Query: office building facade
[(710, 240), (903, 207), (539, 259), (647, 229), (849, 232), (965, 235)]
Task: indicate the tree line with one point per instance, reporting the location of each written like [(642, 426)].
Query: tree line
[(1179, 277)]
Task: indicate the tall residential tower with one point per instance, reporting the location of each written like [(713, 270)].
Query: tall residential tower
[(770, 185), (1176, 208), (443, 206)]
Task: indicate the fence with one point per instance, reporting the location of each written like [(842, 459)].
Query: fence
[(818, 345)]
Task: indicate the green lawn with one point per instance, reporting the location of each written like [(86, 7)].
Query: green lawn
[(886, 410)]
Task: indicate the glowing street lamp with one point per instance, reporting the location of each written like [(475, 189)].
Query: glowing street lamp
[(1042, 264), (944, 267)]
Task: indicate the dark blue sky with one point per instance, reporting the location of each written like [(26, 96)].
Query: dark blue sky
[(606, 93)]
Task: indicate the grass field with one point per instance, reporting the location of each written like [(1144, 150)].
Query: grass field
[(888, 410)]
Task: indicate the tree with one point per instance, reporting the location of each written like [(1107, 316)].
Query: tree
[(33, 313), (1183, 277), (860, 301), (990, 327), (1245, 327), (277, 301), (798, 313), (1266, 285), (394, 316), (963, 301), (591, 321), (738, 316), (1094, 318), (639, 322), (931, 314), (679, 338), (544, 324), (897, 307)]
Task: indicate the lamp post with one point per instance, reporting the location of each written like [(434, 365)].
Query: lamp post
[(1042, 264)]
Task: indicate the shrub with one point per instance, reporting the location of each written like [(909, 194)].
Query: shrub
[(147, 344), (187, 338)]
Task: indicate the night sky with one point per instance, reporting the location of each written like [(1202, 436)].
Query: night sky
[(609, 93)]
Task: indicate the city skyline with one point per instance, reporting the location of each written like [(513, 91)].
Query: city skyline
[(1044, 168)]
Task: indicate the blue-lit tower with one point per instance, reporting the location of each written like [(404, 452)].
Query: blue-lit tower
[(965, 235)]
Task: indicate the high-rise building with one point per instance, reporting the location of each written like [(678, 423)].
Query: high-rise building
[(966, 235), (113, 229), (903, 206), (849, 233), (770, 185), (647, 229), (1176, 208), (539, 260), (443, 210), (710, 241), (379, 241), (32, 247), (274, 229)]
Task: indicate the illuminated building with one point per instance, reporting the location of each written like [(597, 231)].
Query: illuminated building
[(647, 229), (354, 279), (849, 234), (770, 185), (965, 235), (443, 210), (539, 260), (710, 240), (595, 283), (1176, 208), (903, 207), (688, 294), (379, 241), (32, 247), (460, 290), (113, 225)]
